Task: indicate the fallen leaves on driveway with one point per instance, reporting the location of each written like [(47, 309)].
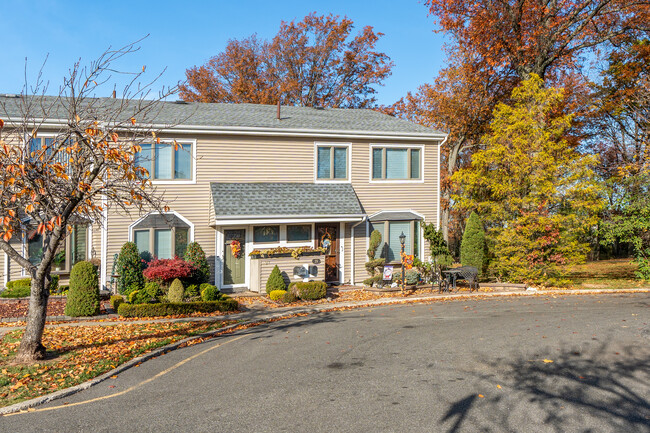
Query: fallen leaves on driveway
[(78, 353)]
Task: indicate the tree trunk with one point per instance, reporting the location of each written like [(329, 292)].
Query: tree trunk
[(31, 346)]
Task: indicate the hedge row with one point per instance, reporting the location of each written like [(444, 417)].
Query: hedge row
[(175, 308)]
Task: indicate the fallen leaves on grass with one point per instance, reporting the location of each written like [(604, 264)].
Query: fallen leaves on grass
[(78, 353)]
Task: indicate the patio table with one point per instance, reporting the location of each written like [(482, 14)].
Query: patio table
[(467, 273)]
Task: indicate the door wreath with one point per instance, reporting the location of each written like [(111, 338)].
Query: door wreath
[(235, 248)]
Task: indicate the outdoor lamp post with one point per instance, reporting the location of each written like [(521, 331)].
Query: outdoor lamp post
[(402, 241)]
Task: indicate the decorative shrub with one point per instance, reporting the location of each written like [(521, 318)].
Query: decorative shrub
[(210, 293), (170, 309), (472, 247), (167, 270), (176, 291), (129, 269), (195, 255), (54, 284), (17, 289), (83, 297), (277, 295), (115, 301), (411, 277), (374, 266), (275, 281), (312, 290), (192, 291), (134, 297), (289, 297), (153, 289)]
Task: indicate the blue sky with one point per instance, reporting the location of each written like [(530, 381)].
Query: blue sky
[(184, 34)]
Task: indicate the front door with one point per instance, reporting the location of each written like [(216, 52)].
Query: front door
[(327, 237), (234, 269)]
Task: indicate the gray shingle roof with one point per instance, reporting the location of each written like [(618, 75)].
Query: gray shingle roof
[(199, 114), (394, 215), (280, 199)]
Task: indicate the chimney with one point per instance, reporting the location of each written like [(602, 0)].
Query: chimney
[(279, 118), (114, 94)]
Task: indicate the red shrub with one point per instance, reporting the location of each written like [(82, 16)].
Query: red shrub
[(166, 270)]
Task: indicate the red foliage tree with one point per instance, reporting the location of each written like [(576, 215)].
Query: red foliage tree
[(166, 270)]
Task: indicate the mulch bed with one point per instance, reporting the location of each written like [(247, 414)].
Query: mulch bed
[(18, 307)]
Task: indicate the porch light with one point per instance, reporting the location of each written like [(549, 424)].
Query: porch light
[(402, 239)]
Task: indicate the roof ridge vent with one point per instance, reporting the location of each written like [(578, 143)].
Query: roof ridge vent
[(11, 95), (180, 101)]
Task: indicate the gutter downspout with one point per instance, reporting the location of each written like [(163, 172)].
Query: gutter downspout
[(352, 248), (438, 183)]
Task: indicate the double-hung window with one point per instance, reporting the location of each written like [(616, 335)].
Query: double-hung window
[(396, 163), (332, 162), (166, 161)]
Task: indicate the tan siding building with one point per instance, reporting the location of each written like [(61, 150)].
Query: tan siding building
[(315, 178)]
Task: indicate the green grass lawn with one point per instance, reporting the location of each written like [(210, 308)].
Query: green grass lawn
[(606, 274)]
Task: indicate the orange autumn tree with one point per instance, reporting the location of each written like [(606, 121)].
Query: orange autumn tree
[(85, 165), (493, 46), (313, 62)]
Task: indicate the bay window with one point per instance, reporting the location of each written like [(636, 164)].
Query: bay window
[(390, 246), (161, 236)]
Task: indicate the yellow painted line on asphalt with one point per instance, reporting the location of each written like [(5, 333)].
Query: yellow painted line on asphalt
[(144, 382)]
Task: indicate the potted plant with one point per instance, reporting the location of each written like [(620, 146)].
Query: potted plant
[(59, 258)]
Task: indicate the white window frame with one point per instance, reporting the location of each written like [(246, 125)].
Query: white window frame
[(181, 141), (348, 146), (396, 146)]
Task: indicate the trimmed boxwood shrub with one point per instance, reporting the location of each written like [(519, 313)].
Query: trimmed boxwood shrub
[(83, 296), (277, 295), (192, 291), (210, 292), (275, 281), (115, 301), (129, 268), (312, 290), (195, 255), (289, 297), (17, 289), (176, 291), (175, 308)]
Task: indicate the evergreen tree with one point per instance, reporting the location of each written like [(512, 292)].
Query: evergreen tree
[(194, 254), (275, 281), (538, 195), (129, 269), (472, 247)]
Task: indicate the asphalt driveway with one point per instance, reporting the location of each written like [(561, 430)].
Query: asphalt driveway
[(556, 364)]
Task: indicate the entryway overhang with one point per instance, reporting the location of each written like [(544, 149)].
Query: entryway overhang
[(283, 203)]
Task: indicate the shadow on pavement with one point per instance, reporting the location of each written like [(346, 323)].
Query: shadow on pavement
[(605, 388)]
